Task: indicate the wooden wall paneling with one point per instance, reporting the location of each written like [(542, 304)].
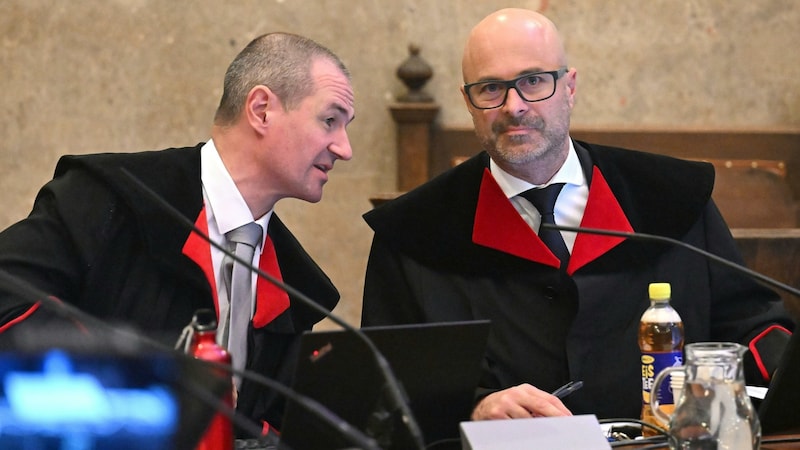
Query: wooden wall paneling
[(775, 253), (770, 157)]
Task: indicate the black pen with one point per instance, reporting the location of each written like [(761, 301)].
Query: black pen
[(568, 388)]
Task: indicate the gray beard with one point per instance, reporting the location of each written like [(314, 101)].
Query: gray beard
[(523, 149)]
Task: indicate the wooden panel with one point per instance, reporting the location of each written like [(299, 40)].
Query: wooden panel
[(413, 142), (712, 143), (776, 254), (754, 193), (764, 164), (774, 144), (447, 143), (777, 197)]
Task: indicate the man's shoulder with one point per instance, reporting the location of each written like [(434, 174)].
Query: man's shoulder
[(434, 202), (433, 222), (150, 161), (161, 170), (665, 195), (173, 174), (634, 161)]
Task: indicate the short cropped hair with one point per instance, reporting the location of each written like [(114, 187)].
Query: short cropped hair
[(280, 61)]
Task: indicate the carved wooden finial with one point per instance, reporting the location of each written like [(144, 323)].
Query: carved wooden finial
[(414, 72)]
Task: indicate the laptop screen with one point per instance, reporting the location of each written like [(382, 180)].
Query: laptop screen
[(437, 365)]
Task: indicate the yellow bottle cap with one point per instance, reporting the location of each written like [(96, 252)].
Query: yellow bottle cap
[(660, 291)]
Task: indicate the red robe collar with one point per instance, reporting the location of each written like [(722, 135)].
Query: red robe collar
[(271, 301), (499, 226), (199, 251)]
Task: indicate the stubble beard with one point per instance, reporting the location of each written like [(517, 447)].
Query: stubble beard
[(524, 148)]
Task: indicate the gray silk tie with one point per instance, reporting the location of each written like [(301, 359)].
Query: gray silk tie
[(544, 199), (240, 296)]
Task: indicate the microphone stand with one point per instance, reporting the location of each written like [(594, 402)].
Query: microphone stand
[(652, 237), (396, 396)]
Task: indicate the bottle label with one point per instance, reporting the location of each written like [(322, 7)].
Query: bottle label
[(652, 364)]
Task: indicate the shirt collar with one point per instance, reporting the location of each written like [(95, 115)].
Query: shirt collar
[(569, 173), (228, 208)]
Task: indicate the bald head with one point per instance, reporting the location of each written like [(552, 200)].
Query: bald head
[(508, 34), (529, 139)]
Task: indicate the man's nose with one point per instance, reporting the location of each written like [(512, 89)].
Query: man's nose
[(341, 147), (515, 104)]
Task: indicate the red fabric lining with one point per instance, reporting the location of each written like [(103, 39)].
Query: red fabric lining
[(757, 356), (498, 225), (198, 250), (271, 300), (21, 317)]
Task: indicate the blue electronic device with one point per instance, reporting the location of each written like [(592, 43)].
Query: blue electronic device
[(82, 401)]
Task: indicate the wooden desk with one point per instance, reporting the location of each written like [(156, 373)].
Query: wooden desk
[(793, 438)]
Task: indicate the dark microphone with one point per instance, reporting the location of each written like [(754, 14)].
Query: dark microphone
[(665, 240), (396, 395), (132, 340)]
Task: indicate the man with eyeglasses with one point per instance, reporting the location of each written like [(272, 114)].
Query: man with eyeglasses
[(564, 307)]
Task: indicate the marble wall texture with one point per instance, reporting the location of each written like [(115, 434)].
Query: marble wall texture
[(128, 75)]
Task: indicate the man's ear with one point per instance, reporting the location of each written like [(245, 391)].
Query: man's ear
[(571, 80), (260, 103)]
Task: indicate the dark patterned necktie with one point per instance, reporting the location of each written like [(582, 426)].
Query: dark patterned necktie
[(544, 199)]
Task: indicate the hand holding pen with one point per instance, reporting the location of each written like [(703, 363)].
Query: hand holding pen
[(524, 401)]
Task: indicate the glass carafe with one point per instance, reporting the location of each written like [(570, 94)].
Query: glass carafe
[(713, 410)]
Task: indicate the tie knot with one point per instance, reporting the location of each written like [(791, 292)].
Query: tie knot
[(249, 234), (544, 199)]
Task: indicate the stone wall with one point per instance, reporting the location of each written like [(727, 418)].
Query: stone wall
[(129, 75)]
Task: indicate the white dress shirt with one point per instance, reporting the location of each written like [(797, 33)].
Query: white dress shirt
[(570, 204), (225, 210)]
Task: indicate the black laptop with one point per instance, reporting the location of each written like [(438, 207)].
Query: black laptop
[(778, 412), (438, 366)]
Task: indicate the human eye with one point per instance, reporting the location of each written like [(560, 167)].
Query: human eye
[(490, 88), (336, 117), (331, 120), (532, 80)]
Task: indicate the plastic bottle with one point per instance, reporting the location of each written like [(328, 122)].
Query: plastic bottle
[(661, 344), (219, 434)]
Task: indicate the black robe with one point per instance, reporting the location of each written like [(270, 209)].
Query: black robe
[(456, 249), (94, 240)]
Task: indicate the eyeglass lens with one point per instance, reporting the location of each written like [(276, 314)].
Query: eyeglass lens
[(531, 88)]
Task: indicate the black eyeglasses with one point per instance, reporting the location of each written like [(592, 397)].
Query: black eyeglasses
[(532, 87)]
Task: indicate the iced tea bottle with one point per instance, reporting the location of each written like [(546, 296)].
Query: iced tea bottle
[(661, 345)]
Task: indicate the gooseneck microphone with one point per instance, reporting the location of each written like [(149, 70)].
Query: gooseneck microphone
[(665, 240), (35, 295), (396, 395)]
